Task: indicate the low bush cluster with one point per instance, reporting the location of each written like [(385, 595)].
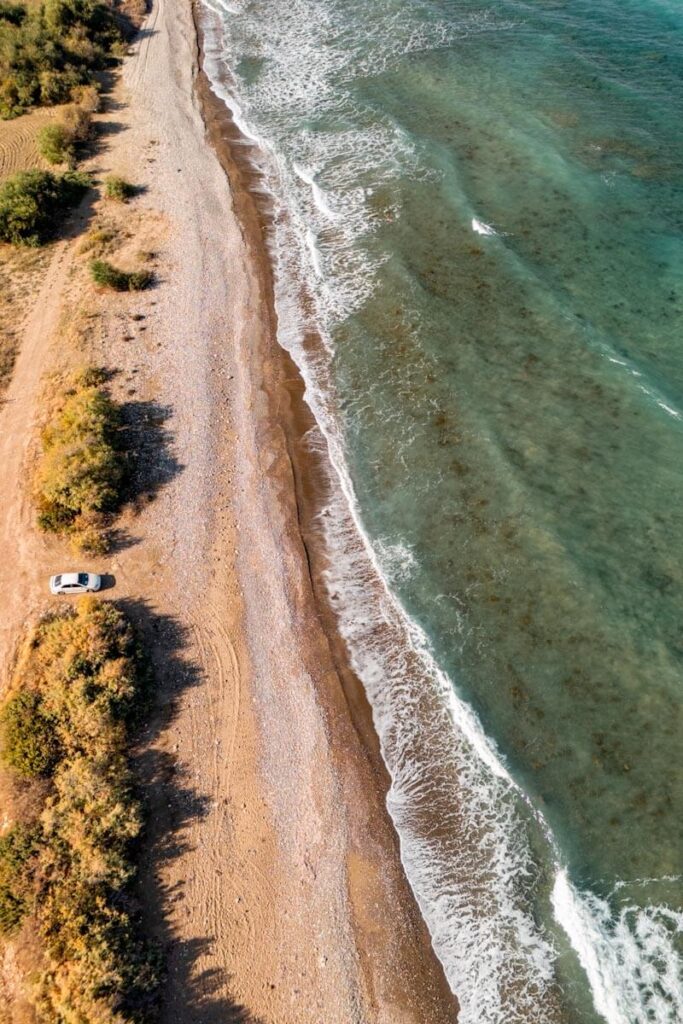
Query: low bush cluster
[(17, 849), (106, 275), (72, 867), (34, 203), (79, 477), (49, 49), (57, 141), (118, 189), (30, 742)]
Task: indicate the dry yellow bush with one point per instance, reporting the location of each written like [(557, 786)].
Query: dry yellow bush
[(72, 867)]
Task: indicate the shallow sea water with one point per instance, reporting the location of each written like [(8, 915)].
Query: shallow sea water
[(485, 204)]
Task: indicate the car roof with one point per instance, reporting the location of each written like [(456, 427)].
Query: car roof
[(69, 577)]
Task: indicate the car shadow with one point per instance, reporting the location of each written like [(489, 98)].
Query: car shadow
[(107, 581)]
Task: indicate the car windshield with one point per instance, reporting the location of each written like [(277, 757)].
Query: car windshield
[(83, 579), (58, 580)]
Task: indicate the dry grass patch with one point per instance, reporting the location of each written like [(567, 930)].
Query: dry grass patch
[(66, 869), (100, 239)]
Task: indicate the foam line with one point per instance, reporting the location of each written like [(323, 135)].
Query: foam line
[(481, 228), (318, 195)]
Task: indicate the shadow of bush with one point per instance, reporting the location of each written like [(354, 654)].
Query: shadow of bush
[(173, 806), (147, 441)]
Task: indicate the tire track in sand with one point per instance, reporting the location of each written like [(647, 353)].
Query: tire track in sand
[(18, 142), (219, 874)]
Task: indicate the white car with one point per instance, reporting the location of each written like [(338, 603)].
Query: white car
[(75, 583)]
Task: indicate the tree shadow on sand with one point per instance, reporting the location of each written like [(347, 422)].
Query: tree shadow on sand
[(148, 442), (149, 460), (189, 995)]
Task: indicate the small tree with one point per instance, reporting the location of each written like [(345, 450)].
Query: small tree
[(79, 477), (29, 743), (55, 143)]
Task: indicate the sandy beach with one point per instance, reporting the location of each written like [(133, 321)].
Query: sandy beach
[(271, 871)]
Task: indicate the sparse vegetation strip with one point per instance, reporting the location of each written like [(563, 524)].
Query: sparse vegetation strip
[(67, 871), (79, 478)]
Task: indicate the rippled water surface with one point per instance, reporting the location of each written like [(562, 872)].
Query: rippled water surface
[(485, 202)]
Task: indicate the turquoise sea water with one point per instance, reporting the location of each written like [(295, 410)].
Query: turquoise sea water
[(482, 206)]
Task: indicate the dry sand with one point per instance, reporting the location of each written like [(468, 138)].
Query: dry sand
[(272, 873)]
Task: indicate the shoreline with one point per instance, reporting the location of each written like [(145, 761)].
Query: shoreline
[(309, 474)]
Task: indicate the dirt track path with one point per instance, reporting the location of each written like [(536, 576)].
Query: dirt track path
[(22, 586)]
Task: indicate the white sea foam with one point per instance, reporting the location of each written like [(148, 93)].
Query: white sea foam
[(397, 560), (669, 408), (647, 389), (474, 879), (319, 196), (496, 958), (634, 974), (481, 228), (315, 254)]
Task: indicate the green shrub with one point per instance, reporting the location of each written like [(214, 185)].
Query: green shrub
[(139, 280), (29, 744), (106, 275), (13, 907), (89, 534), (118, 189), (18, 849), (80, 472), (55, 143), (34, 203)]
